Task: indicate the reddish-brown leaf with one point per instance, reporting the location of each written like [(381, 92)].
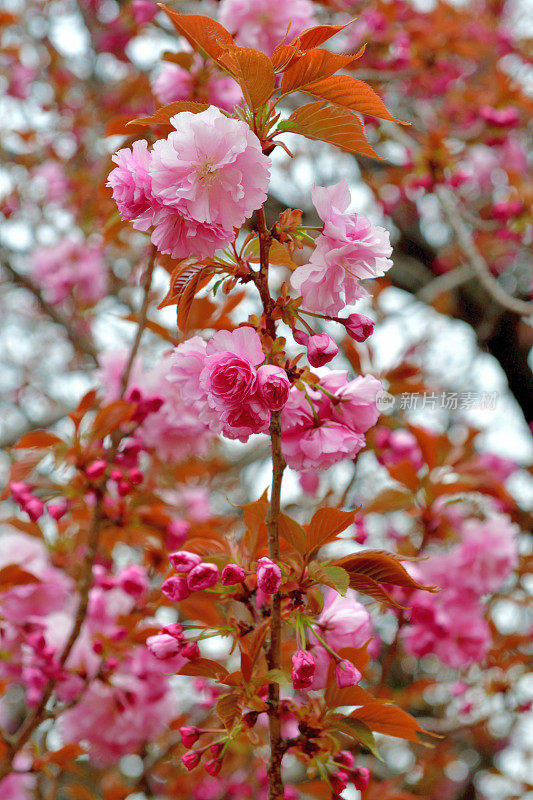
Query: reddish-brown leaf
[(348, 92), (64, 757), (313, 37), (109, 417), (314, 64), (205, 668), (293, 533), (350, 696), (284, 55), (227, 709), (253, 71), (390, 500), (38, 439), (202, 33), (389, 719), (365, 585), (197, 282), (326, 525), (334, 125), (382, 567), (163, 115), (13, 575)]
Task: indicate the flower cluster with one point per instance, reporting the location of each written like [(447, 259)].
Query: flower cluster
[(324, 424), (451, 623), (195, 186), (197, 83), (71, 269), (227, 384)]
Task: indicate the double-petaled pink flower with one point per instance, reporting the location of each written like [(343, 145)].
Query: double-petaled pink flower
[(349, 249), (319, 429)]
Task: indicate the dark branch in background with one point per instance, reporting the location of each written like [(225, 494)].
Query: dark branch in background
[(80, 342)]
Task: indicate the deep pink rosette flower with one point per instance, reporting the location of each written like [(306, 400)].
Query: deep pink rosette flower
[(349, 249), (273, 386), (132, 185), (211, 170), (232, 574), (262, 24), (358, 327), (229, 379)]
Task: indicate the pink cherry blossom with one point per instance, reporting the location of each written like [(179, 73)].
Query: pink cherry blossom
[(319, 429), (143, 11), (202, 577), (176, 83), (51, 175), (262, 24), (358, 327), (183, 561), (273, 386), (211, 172), (232, 574), (488, 553), (348, 250), (71, 269), (173, 83), (321, 348), (132, 185), (346, 674)]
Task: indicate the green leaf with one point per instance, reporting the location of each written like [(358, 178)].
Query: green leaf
[(357, 730)]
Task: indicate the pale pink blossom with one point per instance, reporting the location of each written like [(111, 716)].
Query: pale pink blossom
[(70, 269), (346, 674), (116, 717), (212, 174), (349, 249), (318, 429), (206, 85), (488, 553), (262, 24), (18, 786), (51, 176), (344, 621)]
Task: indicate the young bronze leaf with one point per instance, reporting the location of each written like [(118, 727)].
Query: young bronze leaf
[(253, 71), (326, 525), (349, 696), (382, 567), (355, 728), (205, 668), (365, 585), (38, 439), (13, 575), (163, 115), (227, 708), (315, 64), (284, 55), (202, 33), (312, 37), (109, 417), (389, 719), (293, 533), (348, 92), (187, 296), (334, 125)]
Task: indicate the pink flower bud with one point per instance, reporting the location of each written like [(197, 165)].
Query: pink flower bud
[(274, 386), (346, 674), (57, 510), (345, 758), (96, 469), (176, 588), (202, 577), (133, 581), (163, 646), (339, 781), (189, 735), (320, 349), (34, 509), (176, 533), (20, 491), (216, 749), (191, 651), (213, 766), (358, 327), (233, 573), (124, 488), (183, 561), (361, 778), (268, 576), (174, 629), (116, 475), (303, 670), (135, 476), (191, 759)]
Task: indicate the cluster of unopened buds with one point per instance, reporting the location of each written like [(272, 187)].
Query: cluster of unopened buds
[(348, 773), (322, 348), (125, 480), (34, 507)]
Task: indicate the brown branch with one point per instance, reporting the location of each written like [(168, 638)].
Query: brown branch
[(80, 342), (146, 285)]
